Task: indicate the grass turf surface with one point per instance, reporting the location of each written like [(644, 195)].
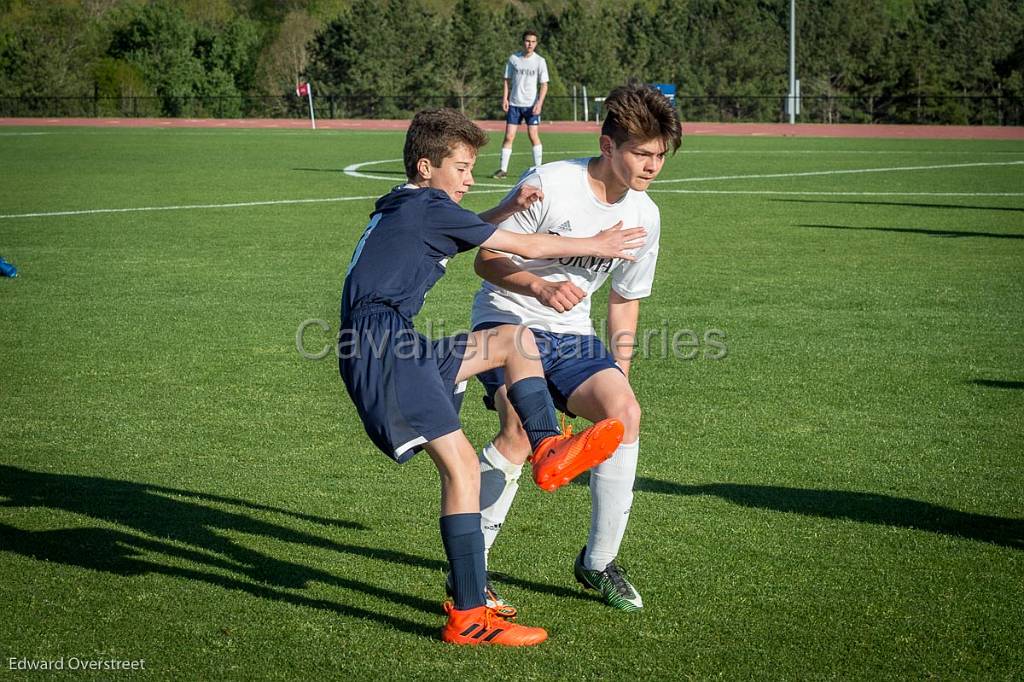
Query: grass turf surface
[(839, 496)]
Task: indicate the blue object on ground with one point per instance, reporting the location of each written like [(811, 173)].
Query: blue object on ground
[(7, 270)]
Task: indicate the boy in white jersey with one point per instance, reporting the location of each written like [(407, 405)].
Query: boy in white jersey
[(525, 86), (552, 297)]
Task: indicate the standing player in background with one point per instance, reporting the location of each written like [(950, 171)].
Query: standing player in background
[(525, 86), (552, 297)]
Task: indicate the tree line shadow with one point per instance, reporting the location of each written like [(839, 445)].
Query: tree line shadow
[(861, 202), (954, 234), (181, 524), (883, 510), (998, 383)]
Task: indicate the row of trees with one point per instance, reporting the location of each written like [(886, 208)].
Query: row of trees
[(928, 60)]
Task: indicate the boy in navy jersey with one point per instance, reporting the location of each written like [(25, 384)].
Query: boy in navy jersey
[(407, 388)]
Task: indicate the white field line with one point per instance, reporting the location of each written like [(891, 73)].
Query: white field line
[(851, 171), (864, 152), (185, 207), (839, 194), (353, 171)]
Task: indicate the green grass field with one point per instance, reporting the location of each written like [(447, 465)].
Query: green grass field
[(841, 496)]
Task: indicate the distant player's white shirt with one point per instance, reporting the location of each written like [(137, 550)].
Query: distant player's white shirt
[(571, 210), (525, 74)]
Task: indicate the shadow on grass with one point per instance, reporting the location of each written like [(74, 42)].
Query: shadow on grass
[(921, 230), (172, 524), (541, 588), (124, 554), (996, 383), (853, 202), (882, 510)]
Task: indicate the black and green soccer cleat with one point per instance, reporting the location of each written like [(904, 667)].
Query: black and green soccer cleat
[(616, 590), (494, 601)]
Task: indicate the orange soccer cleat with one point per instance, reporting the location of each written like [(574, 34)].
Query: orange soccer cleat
[(483, 626), (559, 459)]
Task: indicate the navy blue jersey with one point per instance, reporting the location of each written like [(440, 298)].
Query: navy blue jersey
[(403, 252)]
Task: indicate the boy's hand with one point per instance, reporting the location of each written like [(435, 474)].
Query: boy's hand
[(560, 296), (618, 242), (524, 198)]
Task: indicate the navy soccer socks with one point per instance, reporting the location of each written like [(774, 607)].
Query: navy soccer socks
[(464, 545), (532, 402)]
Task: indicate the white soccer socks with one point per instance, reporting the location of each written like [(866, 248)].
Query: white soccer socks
[(611, 497), (499, 482), (506, 156)]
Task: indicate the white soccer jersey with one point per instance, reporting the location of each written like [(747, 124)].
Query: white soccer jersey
[(525, 74), (571, 210)]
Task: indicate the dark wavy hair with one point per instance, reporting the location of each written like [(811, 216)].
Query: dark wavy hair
[(434, 133), (636, 111)]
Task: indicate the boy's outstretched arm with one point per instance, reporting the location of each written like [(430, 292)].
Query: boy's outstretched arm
[(615, 242), (497, 268)]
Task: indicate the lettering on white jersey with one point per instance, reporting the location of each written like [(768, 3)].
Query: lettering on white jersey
[(594, 263), (568, 195)]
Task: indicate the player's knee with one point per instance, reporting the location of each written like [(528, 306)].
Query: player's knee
[(516, 339), (628, 412), (463, 476)]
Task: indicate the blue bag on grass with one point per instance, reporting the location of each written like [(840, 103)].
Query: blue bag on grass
[(7, 270)]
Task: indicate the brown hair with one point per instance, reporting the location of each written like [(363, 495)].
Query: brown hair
[(529, 32), (434, 133), (639, 112)]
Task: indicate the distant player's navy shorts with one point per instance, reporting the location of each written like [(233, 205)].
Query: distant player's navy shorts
[(568, 360), (402, 383), (516, 115)]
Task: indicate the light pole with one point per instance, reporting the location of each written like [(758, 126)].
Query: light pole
[(793, 99)]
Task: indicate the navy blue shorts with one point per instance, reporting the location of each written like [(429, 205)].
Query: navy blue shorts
[(568, 360), (402, 383), (516, 115)]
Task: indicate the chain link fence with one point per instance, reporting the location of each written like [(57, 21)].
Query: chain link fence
[(914, 109)]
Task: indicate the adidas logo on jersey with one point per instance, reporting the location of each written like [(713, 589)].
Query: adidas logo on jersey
[(564, 227)]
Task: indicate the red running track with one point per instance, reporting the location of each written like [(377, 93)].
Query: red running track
[(733, 129)]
